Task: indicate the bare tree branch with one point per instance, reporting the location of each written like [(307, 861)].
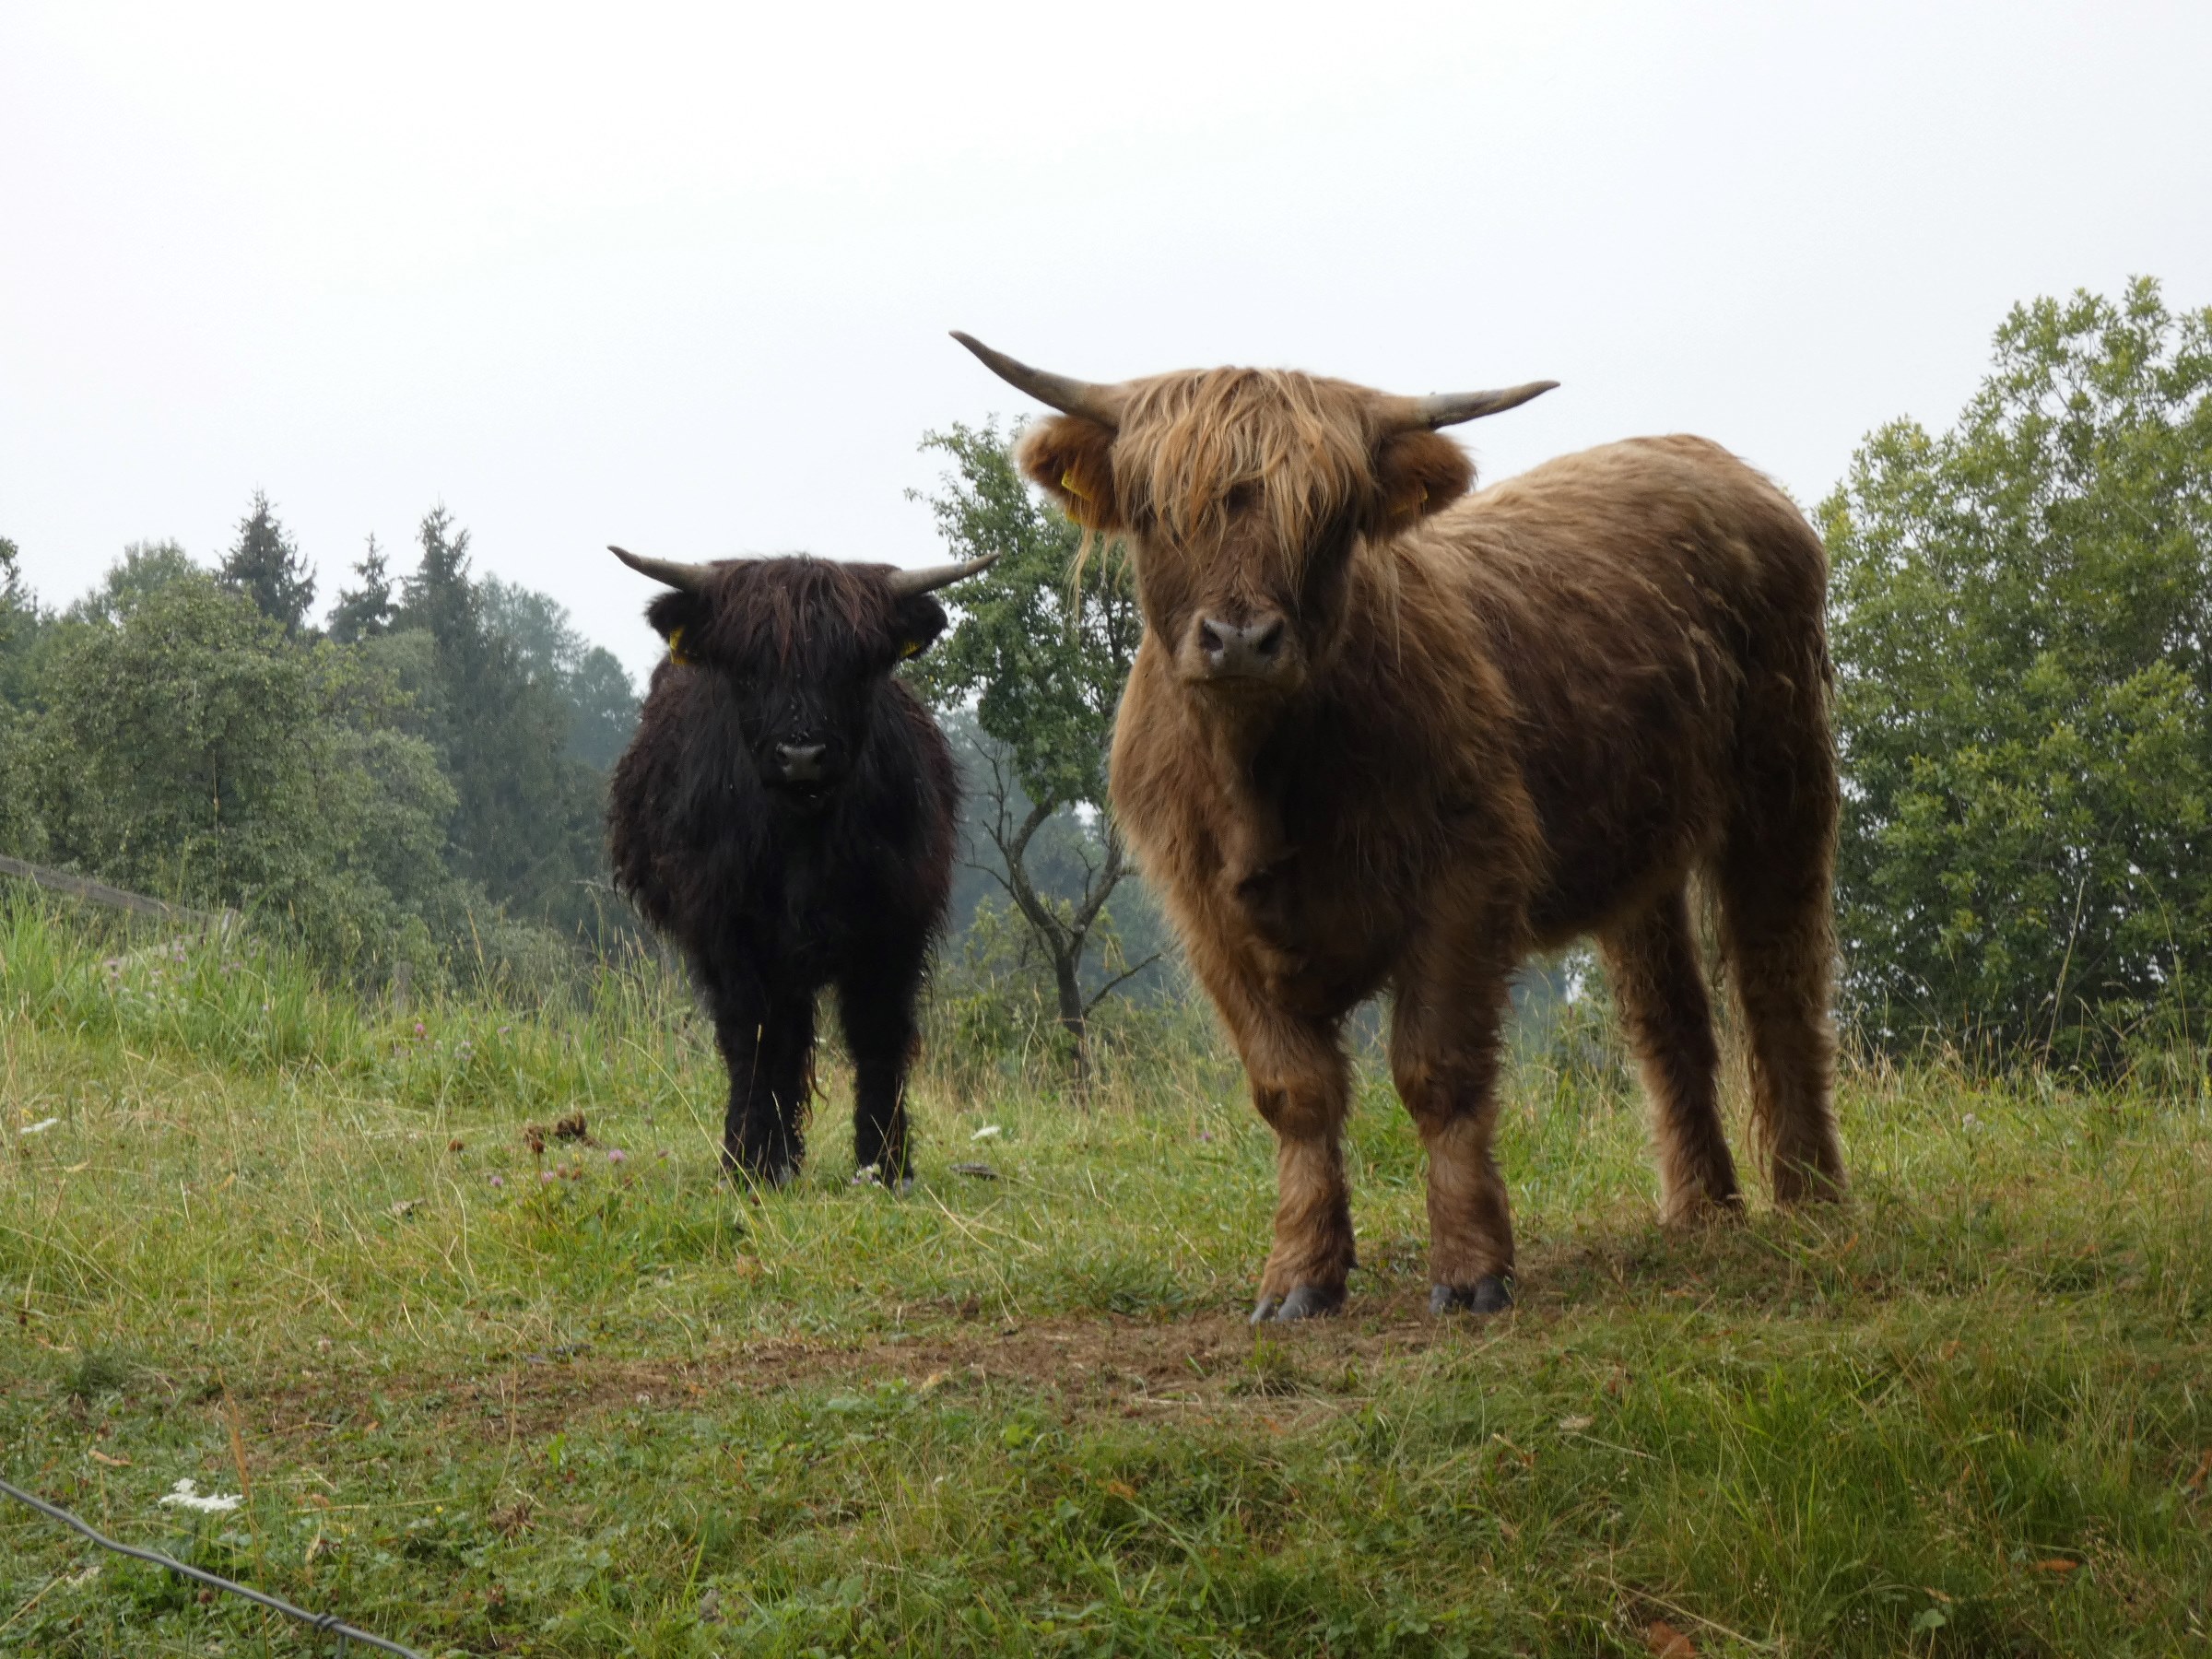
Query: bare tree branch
[(1117, 980), (1110, 876), (1033, 904), (985, 869)]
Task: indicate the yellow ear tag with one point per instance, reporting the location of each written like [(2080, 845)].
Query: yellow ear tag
[(675, 648), (1082, 499), (912, 648)]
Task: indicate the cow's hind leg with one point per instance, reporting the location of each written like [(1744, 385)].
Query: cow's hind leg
[(767, 1044), (1775, 930), (1775, 877), (1652, 966), (876, 1007)]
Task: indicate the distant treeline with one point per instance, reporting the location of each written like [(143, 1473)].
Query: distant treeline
[(419, 778), (2021, 629)]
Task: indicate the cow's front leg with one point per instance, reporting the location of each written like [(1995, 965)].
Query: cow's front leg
[(1300, 1085), (767, 1042), (1443, 1055), (876, 1007)]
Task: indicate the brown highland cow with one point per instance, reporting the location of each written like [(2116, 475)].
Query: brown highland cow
[(1383, 733)]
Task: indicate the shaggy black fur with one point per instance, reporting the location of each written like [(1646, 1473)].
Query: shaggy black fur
[(778, 870)]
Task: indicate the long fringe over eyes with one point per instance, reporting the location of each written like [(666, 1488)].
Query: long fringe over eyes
[(1187, 441)]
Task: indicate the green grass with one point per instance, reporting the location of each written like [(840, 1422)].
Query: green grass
[(627, 1411)]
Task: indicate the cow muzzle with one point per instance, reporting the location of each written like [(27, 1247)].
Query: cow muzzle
[(800, 762), (1254, 652)]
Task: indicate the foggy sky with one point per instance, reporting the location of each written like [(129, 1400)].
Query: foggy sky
[(680, 279)]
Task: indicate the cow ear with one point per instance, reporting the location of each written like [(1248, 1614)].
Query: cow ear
[(1417, 474), (673, 615), (916, 623), (1073, 458)]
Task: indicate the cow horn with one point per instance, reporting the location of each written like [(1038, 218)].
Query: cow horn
[(1093, 402), (1449, 408), (684, 578), (905, 584)]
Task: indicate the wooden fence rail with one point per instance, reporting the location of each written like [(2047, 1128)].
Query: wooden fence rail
[(99, 892)]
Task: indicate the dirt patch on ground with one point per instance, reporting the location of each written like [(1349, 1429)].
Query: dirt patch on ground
[(1089, 1366)]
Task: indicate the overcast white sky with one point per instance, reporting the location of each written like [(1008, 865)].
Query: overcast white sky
[(680, 277)]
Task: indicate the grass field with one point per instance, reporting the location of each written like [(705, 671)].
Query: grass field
[(594, 1401)]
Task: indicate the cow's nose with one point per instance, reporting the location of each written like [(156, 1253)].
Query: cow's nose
[(802, 762), (1251, 649)]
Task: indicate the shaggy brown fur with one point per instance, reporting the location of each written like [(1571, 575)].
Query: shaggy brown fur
[(1462, 728)]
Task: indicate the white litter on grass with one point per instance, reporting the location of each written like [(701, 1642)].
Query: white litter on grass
[(986, 1131), (38, 1128), (186, 1494)]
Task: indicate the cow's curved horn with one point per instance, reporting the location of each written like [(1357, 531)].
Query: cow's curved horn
[(1087, 398), (905, 584), (1449, 408), (684, 578)]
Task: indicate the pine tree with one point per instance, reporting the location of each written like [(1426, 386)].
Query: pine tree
[(267, 567), (365, 611), (527, 824), (439, 597)]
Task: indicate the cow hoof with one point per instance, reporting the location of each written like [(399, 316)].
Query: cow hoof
[(1492, 1293), (1306, 1302), (761, 1179)]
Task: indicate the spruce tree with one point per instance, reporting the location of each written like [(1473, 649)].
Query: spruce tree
[(365, 611), (267, 567), (527, 824), (439, 597)]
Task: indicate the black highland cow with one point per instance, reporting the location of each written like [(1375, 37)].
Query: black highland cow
[(786, 814)]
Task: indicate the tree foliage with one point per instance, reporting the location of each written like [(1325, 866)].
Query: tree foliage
[(407, 785), (20, 628), (1042, 646), (192, 752), (363, 612), (144, 568), (19, 622), (266, 565), (603, 705), (2023, 640), (526, 827)]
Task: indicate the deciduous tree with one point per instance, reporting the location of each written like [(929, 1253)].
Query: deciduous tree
[(1042, 648), (2023, 644)]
